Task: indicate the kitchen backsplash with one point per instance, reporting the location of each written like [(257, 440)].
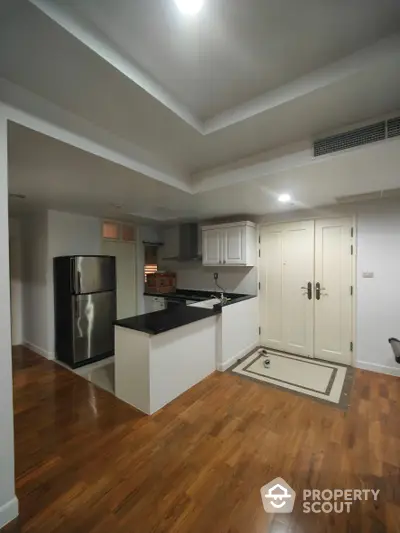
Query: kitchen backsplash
[(195, 276)]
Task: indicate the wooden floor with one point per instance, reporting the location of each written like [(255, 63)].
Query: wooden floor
[(86, 462)]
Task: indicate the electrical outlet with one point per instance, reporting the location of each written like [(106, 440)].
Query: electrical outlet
[(215, 275)]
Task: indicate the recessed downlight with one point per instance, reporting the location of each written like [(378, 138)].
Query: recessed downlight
[(284, 198), (189, 7)]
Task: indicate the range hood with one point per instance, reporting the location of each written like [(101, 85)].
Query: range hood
[(188, 247)]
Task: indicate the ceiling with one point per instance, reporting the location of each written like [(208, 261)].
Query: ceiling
[(55, 175), (235, 50), (209, 100)]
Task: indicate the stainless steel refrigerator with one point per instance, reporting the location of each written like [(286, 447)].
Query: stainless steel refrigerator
[(85, 308)]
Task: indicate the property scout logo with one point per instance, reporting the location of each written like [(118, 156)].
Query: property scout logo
[(278, 497)]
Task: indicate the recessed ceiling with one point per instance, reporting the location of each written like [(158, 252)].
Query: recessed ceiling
[(53, 174), (235, 50)]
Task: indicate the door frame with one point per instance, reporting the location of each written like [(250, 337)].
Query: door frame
[(353, 216)]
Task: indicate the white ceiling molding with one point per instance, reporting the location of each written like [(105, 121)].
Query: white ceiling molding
[(346, 67), (255, 167), (40, 115), (318, 79), (99, 44)]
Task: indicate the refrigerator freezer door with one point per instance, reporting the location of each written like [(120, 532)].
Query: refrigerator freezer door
[(93, 330), (94, 274)]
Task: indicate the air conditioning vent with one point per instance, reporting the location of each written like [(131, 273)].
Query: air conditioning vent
[(393, 127), (350, 139)]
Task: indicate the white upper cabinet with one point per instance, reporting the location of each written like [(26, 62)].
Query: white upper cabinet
[(230, 244), (212, 247)]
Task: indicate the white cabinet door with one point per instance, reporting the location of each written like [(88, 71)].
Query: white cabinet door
[(234, 245), (333, 305), (212, 247), (148, 304), (158, 303), (125, 263)]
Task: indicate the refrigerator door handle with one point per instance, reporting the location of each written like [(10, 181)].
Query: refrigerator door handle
[(77, 315), (77, 280), (72, 276)]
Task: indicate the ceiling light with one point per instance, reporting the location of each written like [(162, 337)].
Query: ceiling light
[(189, 7), (284, 198)]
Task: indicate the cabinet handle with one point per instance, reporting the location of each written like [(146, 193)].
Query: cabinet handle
[(224, 262)]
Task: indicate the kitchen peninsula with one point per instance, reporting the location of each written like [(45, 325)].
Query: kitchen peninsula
[(160, 355)]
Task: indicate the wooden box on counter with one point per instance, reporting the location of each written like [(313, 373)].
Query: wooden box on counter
[(161, 282)]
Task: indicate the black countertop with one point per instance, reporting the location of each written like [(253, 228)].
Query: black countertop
[(162, 321), (200, 296)]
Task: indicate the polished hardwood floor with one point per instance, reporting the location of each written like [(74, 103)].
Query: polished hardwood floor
[(86, 462)]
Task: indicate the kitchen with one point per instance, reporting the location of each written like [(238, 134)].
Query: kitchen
[(160, 355), (169, 307)]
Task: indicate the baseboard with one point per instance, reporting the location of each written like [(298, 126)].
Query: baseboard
[(8, 512), (221, 367), (380, 369), (38, 350)]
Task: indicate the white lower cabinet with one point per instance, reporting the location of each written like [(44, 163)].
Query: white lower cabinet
[(153, 303), (230, 245)]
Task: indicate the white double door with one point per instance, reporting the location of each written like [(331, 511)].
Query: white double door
[(306, 288)]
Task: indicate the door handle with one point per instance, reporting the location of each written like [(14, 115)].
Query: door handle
[(318, 290), (309, 290), (79, 282)]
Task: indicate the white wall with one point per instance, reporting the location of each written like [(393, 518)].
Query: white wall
[(233, 279), (378, 298), (8, 501), (46, 235), (68, 234), (16, 281), (35, 292)]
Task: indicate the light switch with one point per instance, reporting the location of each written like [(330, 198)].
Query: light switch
[(368, 275)]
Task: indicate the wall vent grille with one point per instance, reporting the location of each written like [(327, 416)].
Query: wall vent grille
[(393, 127), (350, 139)]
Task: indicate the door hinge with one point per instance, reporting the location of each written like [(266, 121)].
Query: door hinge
[(351, 346), (259, 285), (259, 239), (352, 232), (259, 253), (259, 330), (351, 290), (352, 249)]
